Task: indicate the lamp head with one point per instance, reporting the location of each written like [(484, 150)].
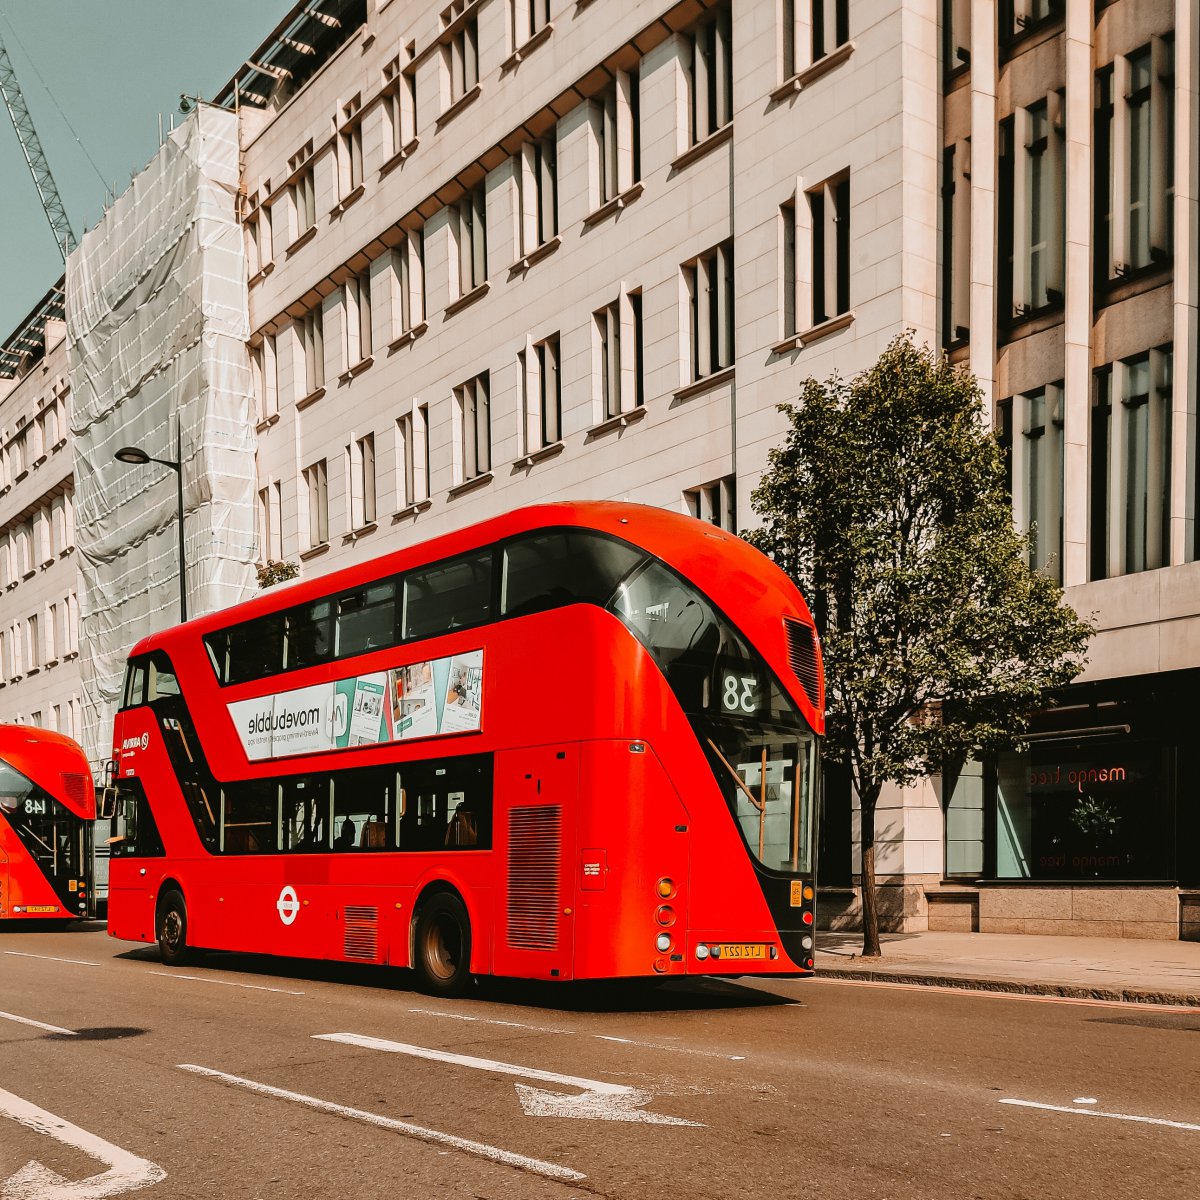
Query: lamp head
[(132, 454)]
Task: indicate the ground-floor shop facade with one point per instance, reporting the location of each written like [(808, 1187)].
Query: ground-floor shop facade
[(1093, 829)]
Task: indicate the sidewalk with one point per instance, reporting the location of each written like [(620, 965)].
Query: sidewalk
[(1123, 969)]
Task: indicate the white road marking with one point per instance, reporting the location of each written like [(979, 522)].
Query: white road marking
[(36, 1024), (1085, 1100), (78, 962), (1092, 1112), (479, 1149), (254, 987), (604, 1037), (126, 1172), (600, 1101)]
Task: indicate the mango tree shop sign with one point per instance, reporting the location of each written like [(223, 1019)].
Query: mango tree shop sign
[(1078, 777), (425, 699)]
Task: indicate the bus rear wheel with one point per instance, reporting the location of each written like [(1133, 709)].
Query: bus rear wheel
[(171, 928), (442, 945)]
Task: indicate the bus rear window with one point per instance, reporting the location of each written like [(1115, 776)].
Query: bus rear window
[(451, 595)]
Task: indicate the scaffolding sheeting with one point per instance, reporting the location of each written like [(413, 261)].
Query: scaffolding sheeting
[(157, 324)]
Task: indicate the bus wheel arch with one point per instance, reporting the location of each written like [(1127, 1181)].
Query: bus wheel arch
[(441, 940), (171, 923)]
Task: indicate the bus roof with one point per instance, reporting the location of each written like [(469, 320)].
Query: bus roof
[(55, 762), (688, 544)]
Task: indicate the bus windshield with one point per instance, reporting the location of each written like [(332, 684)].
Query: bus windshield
[(760, 748), (51, 833)]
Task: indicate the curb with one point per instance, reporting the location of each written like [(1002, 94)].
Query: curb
[(1015, 987)]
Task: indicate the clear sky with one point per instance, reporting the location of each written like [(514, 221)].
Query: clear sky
[(112, 66)]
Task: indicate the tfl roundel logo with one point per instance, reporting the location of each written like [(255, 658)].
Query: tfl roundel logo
[(288, 905)]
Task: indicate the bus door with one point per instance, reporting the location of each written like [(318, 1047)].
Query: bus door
[(537, 793)]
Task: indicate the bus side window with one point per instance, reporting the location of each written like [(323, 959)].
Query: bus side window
[(162, 681), (449, 595), (134, 692), (134, 831), (249, 817)]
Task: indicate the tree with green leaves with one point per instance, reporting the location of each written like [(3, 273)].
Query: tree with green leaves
[(272, 572), (888, 504)]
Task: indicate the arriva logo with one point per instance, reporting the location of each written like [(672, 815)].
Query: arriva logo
[(136, 743)]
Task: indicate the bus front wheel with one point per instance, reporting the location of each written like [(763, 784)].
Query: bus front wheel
[(172, 929), (442, 945)]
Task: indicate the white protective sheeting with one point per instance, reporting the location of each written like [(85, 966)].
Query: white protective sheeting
[(157, 321)]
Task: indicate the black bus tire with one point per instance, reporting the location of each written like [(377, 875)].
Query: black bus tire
[(442, 946), (170, 926)]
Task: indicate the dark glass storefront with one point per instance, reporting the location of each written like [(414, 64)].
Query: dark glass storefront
[(1106, 792)]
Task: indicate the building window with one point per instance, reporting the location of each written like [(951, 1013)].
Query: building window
[(264, 366), (1036, 473), (470, 232), (406, 280), (358, 317), (312, 345), (35, 644), (400, 104), (412, 457), (616, 130), (790, 273), (710, 75), (617, 356), (1131, 465), (715, 503), (460, 53), (1019, 17), (526, 19), (956, 243), (270, 533), (541, 394), (1032, 200), (709, 283), (302, 190), (830, 26), (956, 35), (1135, 167), (316, 484), (829, 206), (473, 417), (537, 192), (350, 151), (360, 459)]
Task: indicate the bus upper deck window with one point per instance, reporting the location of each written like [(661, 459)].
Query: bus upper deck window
[(162, 681)]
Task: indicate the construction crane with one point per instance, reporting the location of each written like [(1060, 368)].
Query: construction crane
[(35, 158)]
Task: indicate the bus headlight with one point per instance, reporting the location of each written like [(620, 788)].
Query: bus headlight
[(663, 942), (701, 952), (806, 942)]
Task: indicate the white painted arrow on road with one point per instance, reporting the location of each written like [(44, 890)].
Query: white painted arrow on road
[(599, 1102), (126, 1172)]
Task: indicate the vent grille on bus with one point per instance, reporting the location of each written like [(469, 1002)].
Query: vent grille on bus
[(74, 788), (362, 927), (534, 849), (802, 658)]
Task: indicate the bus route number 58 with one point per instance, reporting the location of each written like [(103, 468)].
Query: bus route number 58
[(740, 694)]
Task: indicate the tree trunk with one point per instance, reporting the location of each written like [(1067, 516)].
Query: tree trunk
[(870, 913)]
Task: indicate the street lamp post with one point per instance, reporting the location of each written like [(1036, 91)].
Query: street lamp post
[(136, 456)]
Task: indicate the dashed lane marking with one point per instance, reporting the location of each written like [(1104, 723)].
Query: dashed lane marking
[(1091, 1112), (254, 987), (436, 1137), (78, 962), (36, 1024)]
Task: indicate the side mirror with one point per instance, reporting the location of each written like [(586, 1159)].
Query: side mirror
[(108, 802)]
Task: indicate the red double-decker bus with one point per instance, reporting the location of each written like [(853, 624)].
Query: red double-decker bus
[(47, 807), (577, 741)]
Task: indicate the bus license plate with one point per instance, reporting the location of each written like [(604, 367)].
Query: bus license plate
[(742, 950)]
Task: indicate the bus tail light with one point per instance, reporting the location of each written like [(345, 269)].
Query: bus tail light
[(665, 915), (660, 965), (807, 918)]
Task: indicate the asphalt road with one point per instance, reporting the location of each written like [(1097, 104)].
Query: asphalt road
[(223, 1076)]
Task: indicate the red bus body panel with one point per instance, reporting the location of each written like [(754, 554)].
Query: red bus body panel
[(59, 767), (578, 717)]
